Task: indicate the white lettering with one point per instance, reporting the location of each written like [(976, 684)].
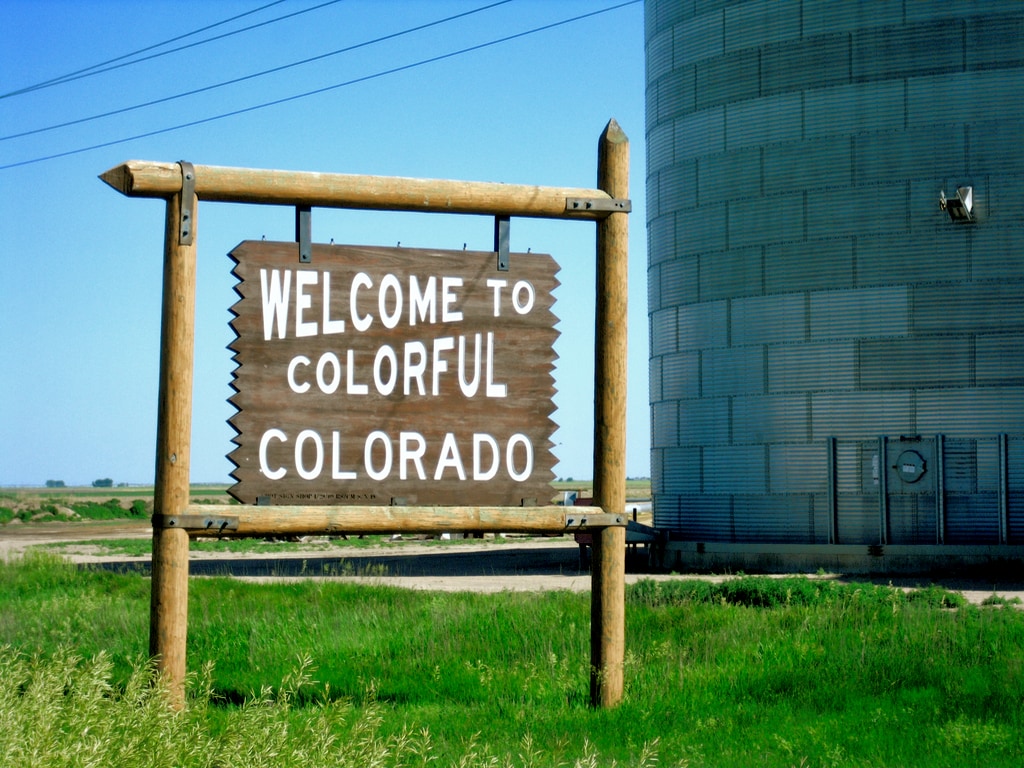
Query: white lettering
[(440, 365), (350, 384), (422, 305), (469, 388), (292, 384), (385, 387), (375, 437), (411, 447), (328, 359), (361, 280), (271, 474), (479, 473), (389, 283), (275, 302), (497, 285), (303, 301), (449, 458), (509, 457), (415, 370), (523, 307), (336, 473), (448, 298), (318, 445), (492, 389), (330, 326)]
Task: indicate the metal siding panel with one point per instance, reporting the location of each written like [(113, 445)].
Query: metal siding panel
[(814, 367), (659, 54), (859, 415), (809, 266), (920, 257), (701, 37), (724, 79), (665, 430), (810, 164), (820, 16), (730, 176), (968, 307), (681, 376), (702, 133), (908, 51), (822, 60), (965, 97), (772, 219), (706, 518), (857, 519), (835, 213), (769, 319), (733, 273), (702, 326), (704, 422), (734, 371), (972, 519), (760, 22), (664, 330), (923, 152), (915, 362), (781, 520), (798, 468), (701, 229), (764, 121), (912, 519), (731, 469), (679, 281), (1000, 359), (861, 312), (968, 412), (682, 470), (846, 110), (766, 419)]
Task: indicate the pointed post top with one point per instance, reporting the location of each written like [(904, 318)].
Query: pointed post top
[(117, 178), (613, 133)]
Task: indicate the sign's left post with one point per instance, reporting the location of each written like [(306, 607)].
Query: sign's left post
[(169, 596)]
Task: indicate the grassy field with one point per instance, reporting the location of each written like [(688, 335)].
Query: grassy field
[(53, 504), (752, 672)]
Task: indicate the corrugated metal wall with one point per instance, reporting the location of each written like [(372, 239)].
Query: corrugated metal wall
[(811, 307)]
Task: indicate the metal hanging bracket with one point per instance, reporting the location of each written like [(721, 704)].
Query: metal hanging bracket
[(599, 204), (304, 233), (502, 227), (196, 522), (186, 224)]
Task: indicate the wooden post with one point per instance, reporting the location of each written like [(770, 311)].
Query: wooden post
[(169, 596), (608, 586)]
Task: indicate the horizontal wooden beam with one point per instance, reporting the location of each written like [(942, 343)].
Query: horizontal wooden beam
[(140, 178), (248, 520)]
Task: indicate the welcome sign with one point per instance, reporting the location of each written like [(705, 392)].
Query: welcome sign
[(379, 376)]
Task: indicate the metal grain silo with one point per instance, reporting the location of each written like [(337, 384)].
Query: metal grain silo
[(836, 360)]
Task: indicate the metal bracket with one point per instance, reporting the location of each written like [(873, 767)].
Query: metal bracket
[(502, 227), (595, 520), (304, 233), (186, 224), (196, 522), (609, 204)]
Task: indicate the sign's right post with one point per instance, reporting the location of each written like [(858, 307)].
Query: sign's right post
[(608, 587)]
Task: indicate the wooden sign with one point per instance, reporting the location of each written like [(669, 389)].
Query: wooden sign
[(380, 376)]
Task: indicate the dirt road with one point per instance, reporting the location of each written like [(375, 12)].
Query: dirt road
[(493, 565)]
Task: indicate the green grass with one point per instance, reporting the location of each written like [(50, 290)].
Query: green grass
[(754, 671)]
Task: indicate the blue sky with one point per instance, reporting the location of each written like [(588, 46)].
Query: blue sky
[(80, 284)]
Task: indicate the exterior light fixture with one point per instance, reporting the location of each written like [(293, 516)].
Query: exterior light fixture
[(959, 207)]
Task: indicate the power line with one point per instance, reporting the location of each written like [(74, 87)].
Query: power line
[(253, 76), (97, 69), (325, 89)]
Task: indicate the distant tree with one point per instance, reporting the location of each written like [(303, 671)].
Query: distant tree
[(105, 482), (54, 483)]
